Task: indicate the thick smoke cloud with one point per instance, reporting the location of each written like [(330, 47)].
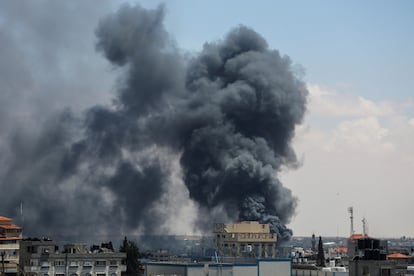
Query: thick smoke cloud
[(227, 116)]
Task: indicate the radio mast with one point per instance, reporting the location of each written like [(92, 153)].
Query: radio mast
[(351, 212)]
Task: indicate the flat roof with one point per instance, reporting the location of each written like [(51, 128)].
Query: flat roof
[(10, 239), (12, 226), (5, 219)]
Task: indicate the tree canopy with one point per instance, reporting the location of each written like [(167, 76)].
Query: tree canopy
[(133, 265)]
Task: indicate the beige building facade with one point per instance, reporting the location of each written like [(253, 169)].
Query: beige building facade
[(10, 235), (245, 239)]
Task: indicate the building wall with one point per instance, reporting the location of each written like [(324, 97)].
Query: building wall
[(305, 272), (40, 258), (372, 267), (153, 269), (245, 239), (245, 270), (220, 270), (10, 235), (275, 267), (198, 271)]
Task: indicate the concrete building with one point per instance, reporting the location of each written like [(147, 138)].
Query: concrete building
[(41, 257), (267, 267), (370, 258), (245, 239), (10, 235)]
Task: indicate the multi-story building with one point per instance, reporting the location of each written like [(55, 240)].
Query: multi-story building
[(41, 257), (10, 235), (245, 239)]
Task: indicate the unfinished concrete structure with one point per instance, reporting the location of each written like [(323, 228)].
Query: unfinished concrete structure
[(41, 257), (245, 239)]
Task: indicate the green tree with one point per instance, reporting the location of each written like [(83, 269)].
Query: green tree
[(133, 265), (320, 261)]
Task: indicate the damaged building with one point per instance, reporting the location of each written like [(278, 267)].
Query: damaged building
[(41, 257), (245, 239)]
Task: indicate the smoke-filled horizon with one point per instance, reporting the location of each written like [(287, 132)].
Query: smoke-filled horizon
[(214, 128)]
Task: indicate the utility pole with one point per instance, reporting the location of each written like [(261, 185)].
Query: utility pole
[(66, 263)]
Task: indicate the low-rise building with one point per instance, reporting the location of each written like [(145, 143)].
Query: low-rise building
[(10, 235), (41, 257), (245, 239), (265, 267)]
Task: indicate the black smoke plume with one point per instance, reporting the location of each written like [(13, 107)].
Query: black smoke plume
[(226, 116)]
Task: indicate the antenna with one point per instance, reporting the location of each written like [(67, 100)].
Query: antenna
[(364, 227), (21, 211), (351, 212)]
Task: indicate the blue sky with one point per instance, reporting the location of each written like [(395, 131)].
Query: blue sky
[(363, 45)]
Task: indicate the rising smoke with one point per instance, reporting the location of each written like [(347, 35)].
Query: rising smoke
[(226, 116)]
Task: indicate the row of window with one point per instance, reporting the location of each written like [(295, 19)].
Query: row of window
[(242, 245), (85, 274), (246, 235), (77, 263)]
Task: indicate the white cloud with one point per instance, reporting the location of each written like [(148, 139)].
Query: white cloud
[(329, 103), (362, 134), (362, 158), (411, 122)]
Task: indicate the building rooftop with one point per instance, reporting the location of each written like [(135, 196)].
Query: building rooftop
[(4, 219), (358, 236), (10, 226), (245, 227), (397, 256)]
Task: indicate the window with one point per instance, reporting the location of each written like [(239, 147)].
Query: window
[(87, 263), (113, 262), (100, 263), (385, 271), (59, 274), (60, 263), (100, 274), (73, 263), (31, 249)]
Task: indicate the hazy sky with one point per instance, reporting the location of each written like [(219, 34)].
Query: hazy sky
[(355, 144)]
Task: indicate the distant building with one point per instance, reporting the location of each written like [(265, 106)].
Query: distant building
[(41, 257), (10, 235), (245, 239)]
